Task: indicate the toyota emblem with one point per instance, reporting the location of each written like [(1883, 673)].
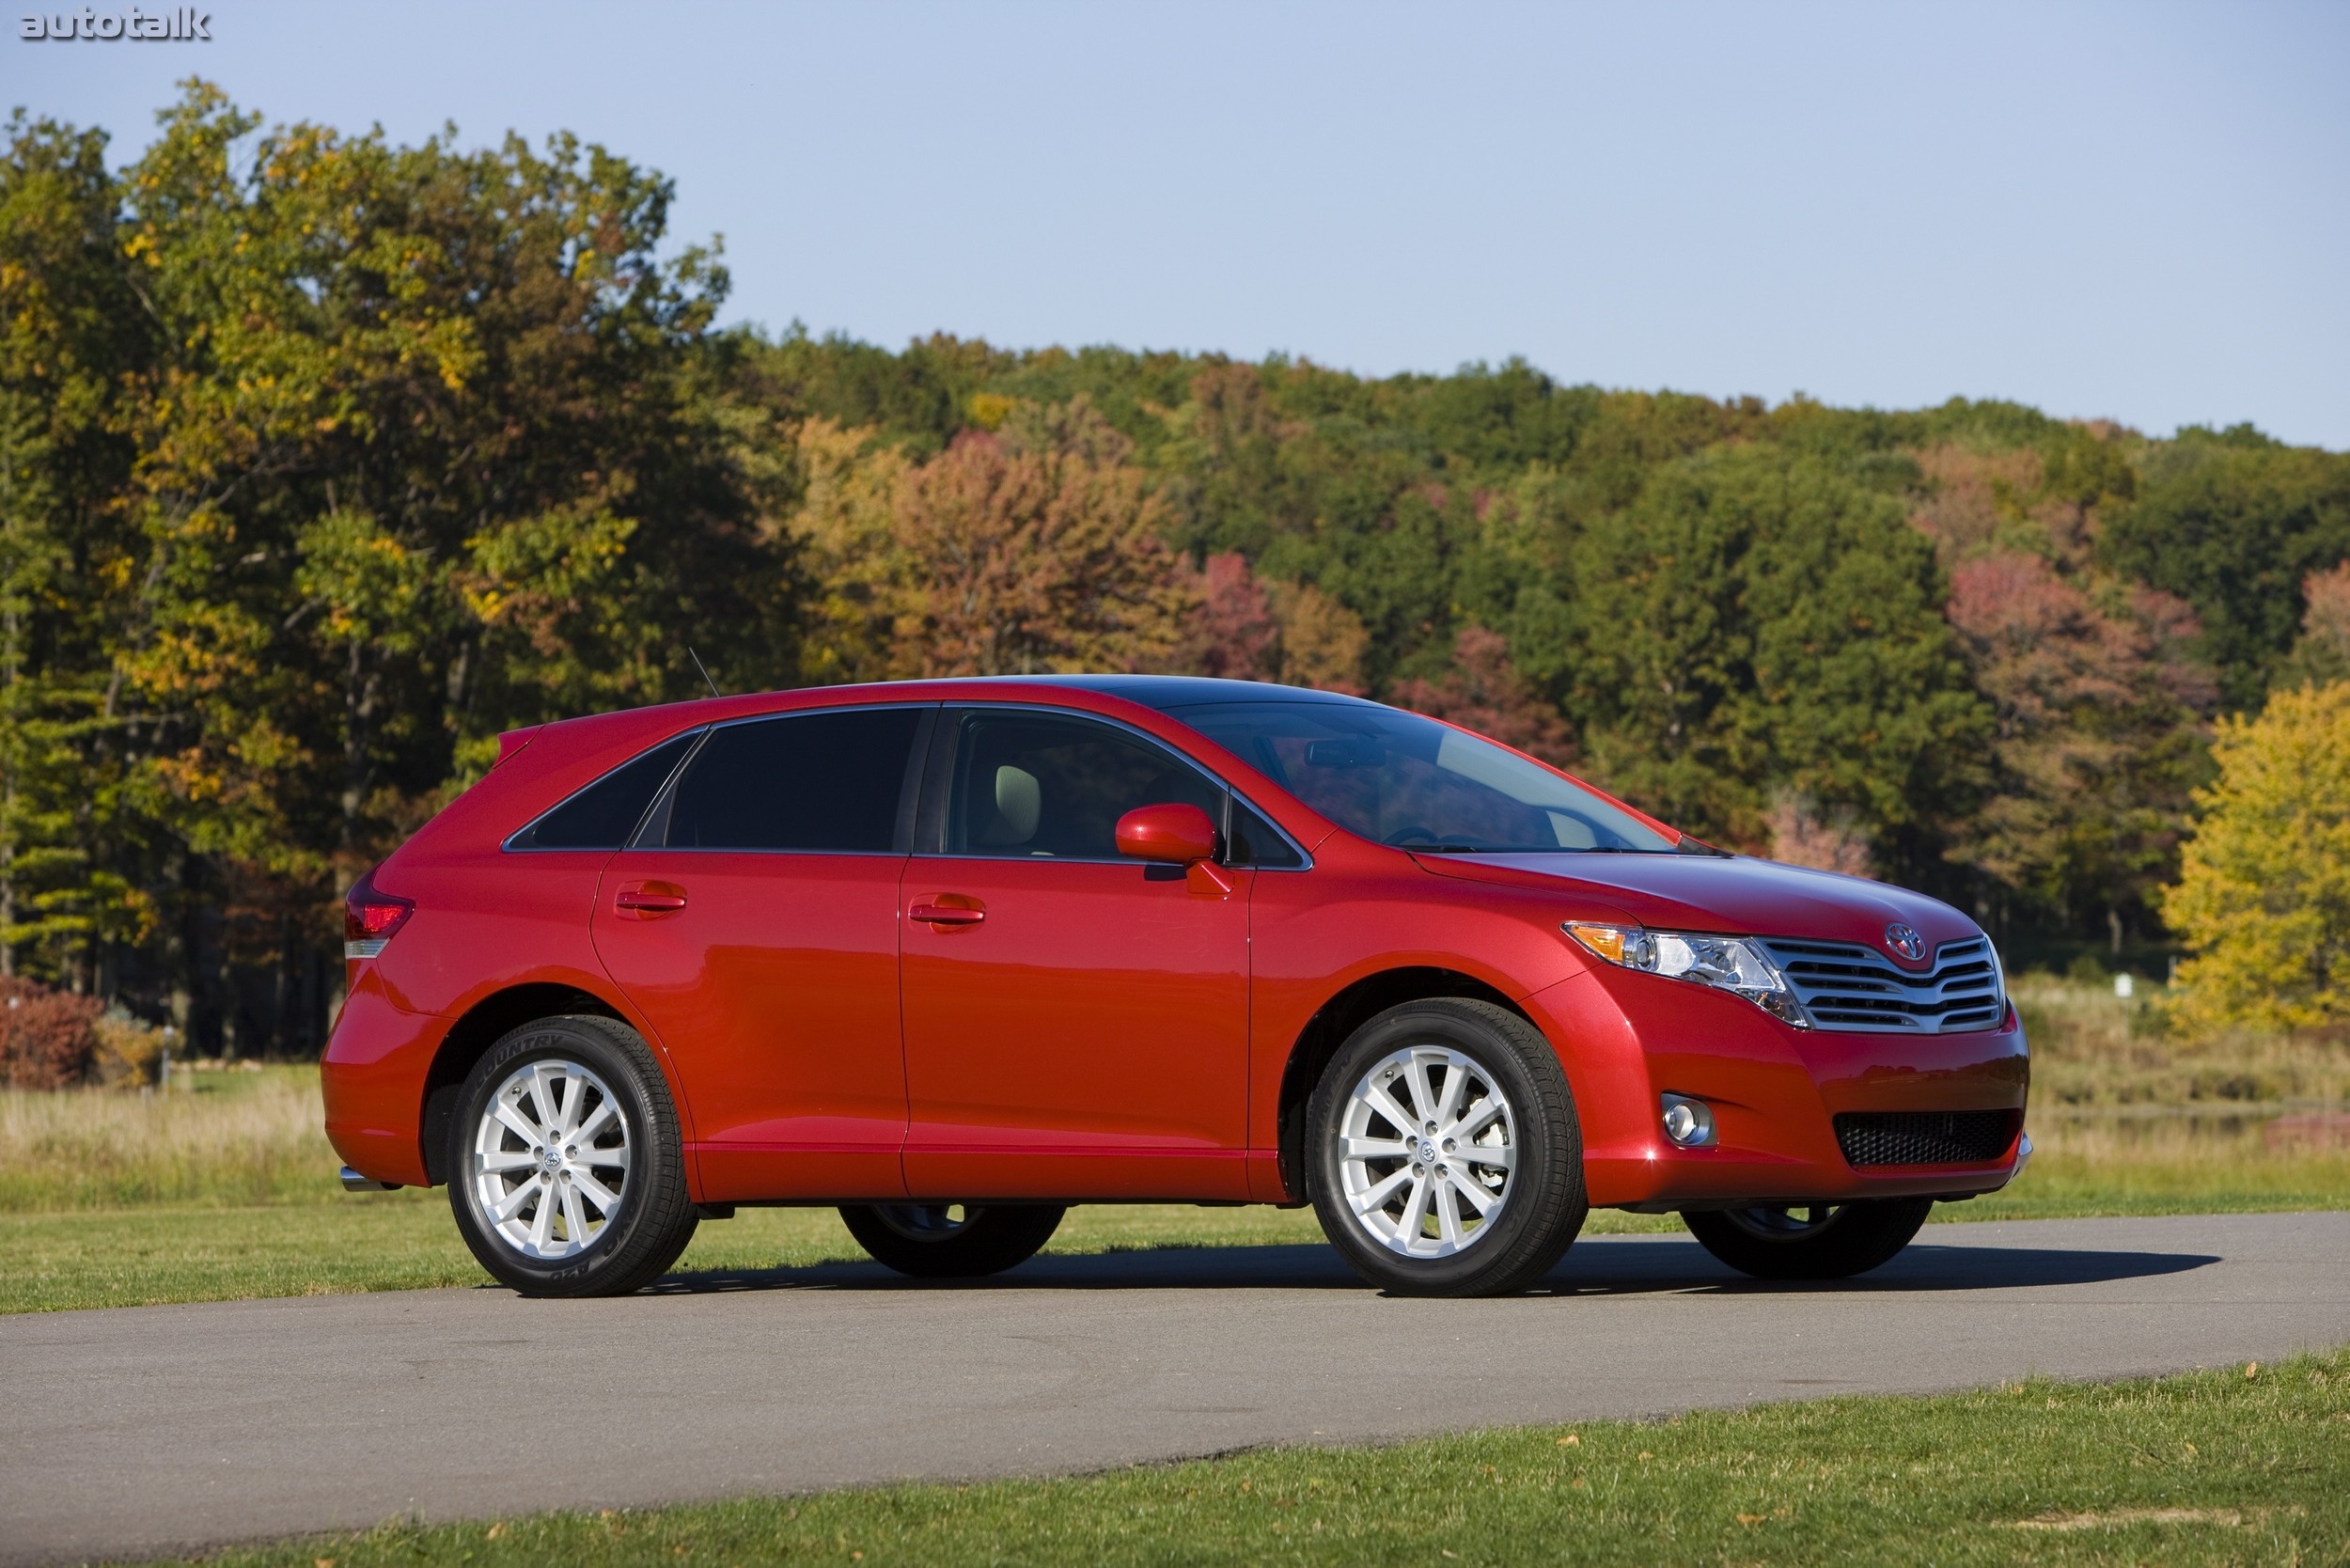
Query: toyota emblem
[(1905, 941)]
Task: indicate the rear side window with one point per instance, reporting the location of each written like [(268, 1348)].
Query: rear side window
[(602, 815), (805, 781)]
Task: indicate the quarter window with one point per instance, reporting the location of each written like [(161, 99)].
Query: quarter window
[(822, 781), (1037, 785), (602, 815), (1255, 842)]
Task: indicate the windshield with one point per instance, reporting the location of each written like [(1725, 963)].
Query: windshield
[(1398, 778)]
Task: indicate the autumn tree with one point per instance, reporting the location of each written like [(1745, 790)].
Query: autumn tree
[(1234, 634), (2264, 891), (2098, 704), (401, 446), (2322, 653), (1017, 556), (1483, 691)]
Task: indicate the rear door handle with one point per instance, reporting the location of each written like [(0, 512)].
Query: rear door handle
[(932, 913), (651, 899)]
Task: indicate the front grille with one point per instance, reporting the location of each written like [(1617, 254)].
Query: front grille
[(1844, 985), (1926, 1138)]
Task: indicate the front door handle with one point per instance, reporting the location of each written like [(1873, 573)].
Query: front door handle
[(651, 897), (962, 914)]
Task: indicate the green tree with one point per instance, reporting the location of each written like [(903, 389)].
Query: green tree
[(2234, 523), (71, 330), (1757, 623)]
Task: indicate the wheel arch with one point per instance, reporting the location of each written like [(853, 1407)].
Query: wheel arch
[(1336, 1020), (469, 1040)]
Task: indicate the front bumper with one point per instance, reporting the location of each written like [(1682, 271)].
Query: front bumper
[(1627, 1038)]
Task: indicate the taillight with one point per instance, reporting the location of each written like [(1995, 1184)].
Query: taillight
[(370, 918)]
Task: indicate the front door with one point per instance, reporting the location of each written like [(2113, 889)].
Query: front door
[(757, 932), (1076, 1022)]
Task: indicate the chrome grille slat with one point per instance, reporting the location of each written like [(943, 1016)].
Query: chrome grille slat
[(1845, 985)]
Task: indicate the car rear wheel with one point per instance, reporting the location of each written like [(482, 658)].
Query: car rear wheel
[(951, 1241), (566, 1171), (1444, 1154), (1810, 1241)]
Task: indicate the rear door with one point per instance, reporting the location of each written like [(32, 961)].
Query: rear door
[(1076, 1022), (756, 927)]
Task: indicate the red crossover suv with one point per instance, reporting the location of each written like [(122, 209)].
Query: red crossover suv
[(954, 955)]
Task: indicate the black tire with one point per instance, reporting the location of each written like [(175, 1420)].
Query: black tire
[(641, 1233), (1541, 1202), (1831, 1242), (928, 1242)]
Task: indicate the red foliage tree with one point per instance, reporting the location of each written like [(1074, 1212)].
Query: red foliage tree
[(1234, 634), (1484, 691), (2099, 710)]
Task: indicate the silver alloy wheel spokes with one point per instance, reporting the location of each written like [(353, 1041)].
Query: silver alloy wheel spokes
[(550, 1159), (926, 1222), (1785, 1222), (1427, 1147)]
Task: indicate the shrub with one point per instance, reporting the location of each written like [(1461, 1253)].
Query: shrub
[(128, 1050), (47, 1038)]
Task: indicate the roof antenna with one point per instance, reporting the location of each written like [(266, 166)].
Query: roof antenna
[(698, 665)]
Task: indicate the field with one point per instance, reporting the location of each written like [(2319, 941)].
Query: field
[(224, 1188), (2247, 1463)]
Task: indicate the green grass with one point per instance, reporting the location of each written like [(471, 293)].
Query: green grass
[(224, 1187), (2207, 1467), (407, 1241)]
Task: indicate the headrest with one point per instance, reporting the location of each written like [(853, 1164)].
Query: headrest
[(1018, 801)]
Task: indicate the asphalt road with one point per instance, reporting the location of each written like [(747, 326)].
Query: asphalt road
[(148, 1430)]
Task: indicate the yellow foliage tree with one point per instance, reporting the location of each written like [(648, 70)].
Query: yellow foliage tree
[(2263, 890)]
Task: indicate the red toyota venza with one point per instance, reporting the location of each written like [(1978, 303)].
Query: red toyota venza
[(955, 955)]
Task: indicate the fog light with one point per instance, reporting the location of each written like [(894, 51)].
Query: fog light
[(1689, 1122)]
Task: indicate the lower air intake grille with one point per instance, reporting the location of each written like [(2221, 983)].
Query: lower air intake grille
[(1925, 1137)]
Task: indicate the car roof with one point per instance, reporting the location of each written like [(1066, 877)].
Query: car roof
[(1169, 693)]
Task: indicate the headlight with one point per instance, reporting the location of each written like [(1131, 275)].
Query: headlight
[(1729, 963)]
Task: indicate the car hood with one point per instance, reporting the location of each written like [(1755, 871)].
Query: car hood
[(1732, 894)]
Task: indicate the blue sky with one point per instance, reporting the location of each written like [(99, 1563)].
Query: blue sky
[(2136, 211)]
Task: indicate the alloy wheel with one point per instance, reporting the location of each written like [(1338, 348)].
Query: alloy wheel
[(550, 1159), (1427, 1146)]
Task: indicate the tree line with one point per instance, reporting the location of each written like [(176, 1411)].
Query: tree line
[(323, 460)]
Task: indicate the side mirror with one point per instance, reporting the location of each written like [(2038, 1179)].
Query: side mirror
[(1171, 834)]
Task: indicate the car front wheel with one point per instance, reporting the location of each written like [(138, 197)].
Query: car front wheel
[(1810, 1241), (1445, 1157), (567, 1170)]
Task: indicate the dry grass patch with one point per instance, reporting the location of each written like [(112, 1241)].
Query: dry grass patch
[(227, 1138)]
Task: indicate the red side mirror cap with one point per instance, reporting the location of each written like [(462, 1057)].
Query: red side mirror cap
[(1175, 835)]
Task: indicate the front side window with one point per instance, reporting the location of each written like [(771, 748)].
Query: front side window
[(1028, 785), (819, 781), (1398, 778)]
